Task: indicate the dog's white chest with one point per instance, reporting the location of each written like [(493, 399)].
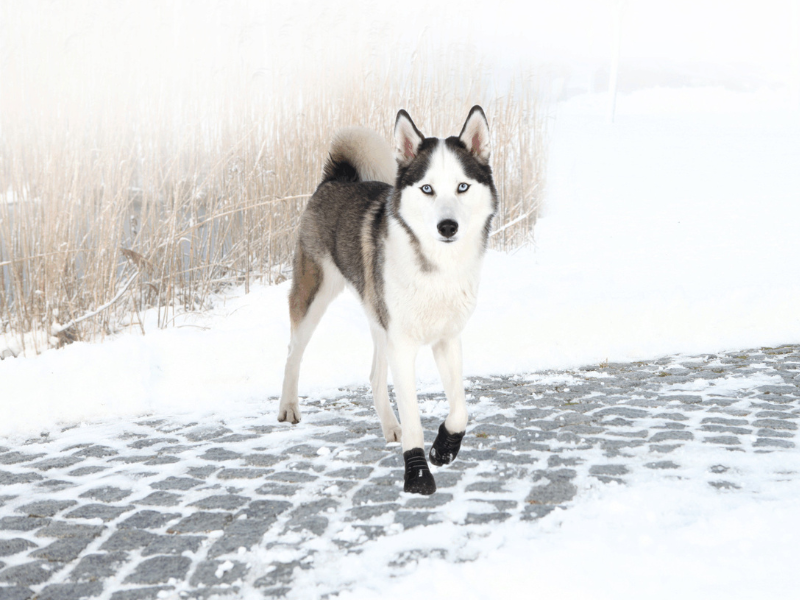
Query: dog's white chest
[(430, 306)]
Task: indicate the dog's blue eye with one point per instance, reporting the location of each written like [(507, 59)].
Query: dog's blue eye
[(462, 187), (426, 189)]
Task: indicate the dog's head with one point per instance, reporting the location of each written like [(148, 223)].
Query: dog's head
[(444, 190)]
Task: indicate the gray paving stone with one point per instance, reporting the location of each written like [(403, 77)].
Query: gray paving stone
[(64, 550), (15, 592), (60, 462), (265, 509), (204, 433), (160, 499), (71, 591), (93, 567), (482, 518), (219, 454), (772, 443), (202, 522), (671, 435), (662, 464), (160, 569), (106, 494), (60, 529), (608, 470), (370, 511), (727, 440), (173, 544), (97, 511), (414, 518), (148, 519), (142, 593), (202, 472), (176, 483), (32, 573), (374, 494), (262, 460), (276, 489), (351, 473), (292, 477), (221, 502), (81, 471), (22, 523), (96, 452), (128, 539), (216, 572), (243, 473), (13, 458), (15, 546), (776, 424)]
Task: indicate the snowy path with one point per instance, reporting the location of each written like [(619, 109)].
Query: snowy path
[(240, 505)]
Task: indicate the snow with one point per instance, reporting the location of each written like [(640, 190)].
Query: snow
[(673, 230), (667, 232)]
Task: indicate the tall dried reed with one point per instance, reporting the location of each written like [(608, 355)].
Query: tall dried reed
[(115, 199)]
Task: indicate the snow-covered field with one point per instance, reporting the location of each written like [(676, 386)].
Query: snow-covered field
[(675, 230)]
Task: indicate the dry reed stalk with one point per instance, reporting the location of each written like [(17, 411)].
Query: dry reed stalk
[(202, 184)]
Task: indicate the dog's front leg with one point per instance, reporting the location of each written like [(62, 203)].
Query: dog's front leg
[(402, 355), (448, 441)]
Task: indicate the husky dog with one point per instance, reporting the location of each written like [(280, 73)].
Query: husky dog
[(408, 233)]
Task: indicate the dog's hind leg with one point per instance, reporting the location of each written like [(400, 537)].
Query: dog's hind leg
[(448, 441), (313, 288), (380, 387)]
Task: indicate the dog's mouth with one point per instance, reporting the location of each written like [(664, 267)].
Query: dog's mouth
[(447, 240)]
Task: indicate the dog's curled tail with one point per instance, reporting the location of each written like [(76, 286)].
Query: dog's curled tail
[(359, 154)]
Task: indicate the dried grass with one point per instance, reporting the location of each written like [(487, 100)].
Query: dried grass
[(200, 184)]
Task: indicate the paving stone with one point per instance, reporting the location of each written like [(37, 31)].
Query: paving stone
[(60, 529), (15, 546), (22, 523), (13, 458), (554, 492), (216, 572), (776, 424), (202, 434), (32, 573), (671, 435), (97, 511), (93, 567), (292, 477), (482, 518), (15, 592), (262, 460), (96, 452), (128, 539), (662, 464), (202, 522), (351, 473), (160, 499), (106, 494), (64, 550), (142, 593), (727, 440), (173, 544), (160, 569), (414, 518), (265, 509), (276, 489), (374, 494), (243, 473), (176, 483), (148, 519), (60, 462), (82, 471), (220, 454), (221, 502), (773, 443), (431, 501), (148, 442), (608, 470), (45, 508), (365, 513)]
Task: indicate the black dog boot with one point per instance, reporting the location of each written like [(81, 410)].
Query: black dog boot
[(445, 447), (418, 477)]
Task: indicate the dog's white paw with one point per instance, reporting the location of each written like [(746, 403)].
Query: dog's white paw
[(289, 412), (393, 433)]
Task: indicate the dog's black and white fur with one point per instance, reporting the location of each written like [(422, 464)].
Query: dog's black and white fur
[(408, 233)]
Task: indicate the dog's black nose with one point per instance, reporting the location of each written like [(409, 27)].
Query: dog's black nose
[(447, 228)]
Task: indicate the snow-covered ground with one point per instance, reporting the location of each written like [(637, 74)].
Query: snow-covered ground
[(673, 230)]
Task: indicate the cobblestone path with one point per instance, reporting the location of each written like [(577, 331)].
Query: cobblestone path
[(168, 508)]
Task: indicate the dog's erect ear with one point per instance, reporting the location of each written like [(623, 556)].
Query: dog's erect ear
[(407, 139), (475, 135)]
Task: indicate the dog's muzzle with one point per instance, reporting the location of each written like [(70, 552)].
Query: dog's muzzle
[(447, 228)]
